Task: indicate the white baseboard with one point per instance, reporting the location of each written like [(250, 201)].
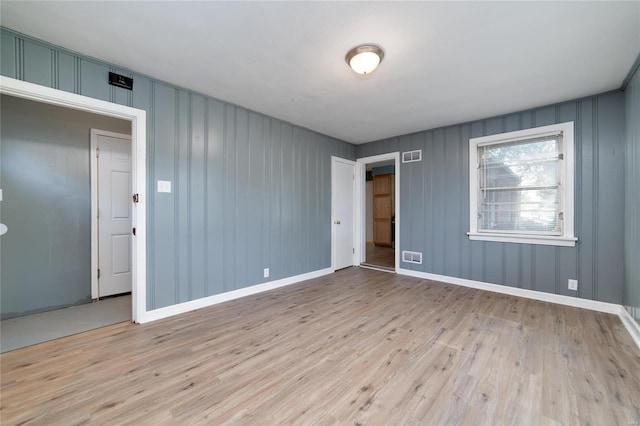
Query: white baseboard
[(611, 308), (594, 305), (631, 325), (181, 308)]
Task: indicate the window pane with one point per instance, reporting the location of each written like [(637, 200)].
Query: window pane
[(521, 174), (520, 210), (519, 186), (529, 163)]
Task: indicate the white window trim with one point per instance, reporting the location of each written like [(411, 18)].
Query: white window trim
[(567, 239)]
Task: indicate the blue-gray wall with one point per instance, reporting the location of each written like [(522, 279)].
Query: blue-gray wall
[(253, 192), (632, 195), (250, 191), (434, 209), (45, 176)]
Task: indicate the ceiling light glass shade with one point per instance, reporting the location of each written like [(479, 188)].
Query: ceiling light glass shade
[(364, 59)]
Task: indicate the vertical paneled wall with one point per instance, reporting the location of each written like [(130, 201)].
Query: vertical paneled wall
[(249, 191), (434, 199), (631, 297)]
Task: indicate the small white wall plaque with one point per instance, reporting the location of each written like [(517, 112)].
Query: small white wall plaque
[(164, 186)]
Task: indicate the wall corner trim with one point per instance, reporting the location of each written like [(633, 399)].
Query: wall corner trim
[(611, 308), (630, 324), (204, 302)]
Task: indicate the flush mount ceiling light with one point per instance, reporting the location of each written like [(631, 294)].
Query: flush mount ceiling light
[(364, 59)]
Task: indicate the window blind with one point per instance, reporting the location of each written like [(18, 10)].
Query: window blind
[(520, 186)]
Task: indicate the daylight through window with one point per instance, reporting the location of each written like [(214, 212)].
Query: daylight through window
[(523, 184)]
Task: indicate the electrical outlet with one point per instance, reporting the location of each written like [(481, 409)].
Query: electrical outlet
[(573, 285), (266, 272)]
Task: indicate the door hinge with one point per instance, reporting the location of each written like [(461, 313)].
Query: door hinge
[(134, 232), (136, 198), (97, 152), (353, 250), (98, 273)]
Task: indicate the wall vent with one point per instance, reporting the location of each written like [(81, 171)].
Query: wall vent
[(411, 256), (412, 156)]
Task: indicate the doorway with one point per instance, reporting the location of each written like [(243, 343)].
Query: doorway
[(380, 215), (378, 205), (45, 174), (137, 120)]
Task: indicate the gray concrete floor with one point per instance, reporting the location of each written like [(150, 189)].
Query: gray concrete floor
[(30, 330)]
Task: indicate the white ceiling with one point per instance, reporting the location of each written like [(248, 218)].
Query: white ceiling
[(445, 62)]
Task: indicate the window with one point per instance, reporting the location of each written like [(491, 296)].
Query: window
[(521, 186)]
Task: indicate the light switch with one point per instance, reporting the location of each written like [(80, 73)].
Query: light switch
[(164, 186)]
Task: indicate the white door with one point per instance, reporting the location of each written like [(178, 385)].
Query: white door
[(342, 212), (114, 213)]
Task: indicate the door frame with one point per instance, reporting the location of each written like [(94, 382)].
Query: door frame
[(361, 206), (95, 255), (335, 160), (138, 118)]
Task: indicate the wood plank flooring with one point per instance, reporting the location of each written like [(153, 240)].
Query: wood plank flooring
[(357, 347), (380, 256)]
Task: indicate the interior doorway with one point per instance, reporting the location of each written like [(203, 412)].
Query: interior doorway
[(46, 172), (380, 214), (137, 123), (378, 202)]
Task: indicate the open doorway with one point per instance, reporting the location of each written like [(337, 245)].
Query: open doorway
[(378, 208), (380, 215), (46, 256), (45, 171)]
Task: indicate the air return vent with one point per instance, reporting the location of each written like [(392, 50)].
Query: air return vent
[(411, 257), (412, 156)]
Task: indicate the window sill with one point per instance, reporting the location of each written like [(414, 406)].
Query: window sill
[(524, 239)]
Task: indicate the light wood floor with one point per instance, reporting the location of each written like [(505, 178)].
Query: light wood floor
[(356, 347), (380, 256)]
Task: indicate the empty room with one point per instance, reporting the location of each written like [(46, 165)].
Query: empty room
[(319, 212)]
